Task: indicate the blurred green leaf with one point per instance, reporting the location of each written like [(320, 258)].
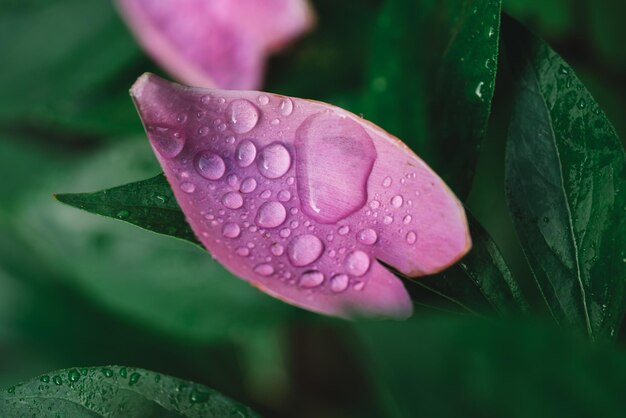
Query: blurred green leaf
[(449, 367), (554, 18), (466, 87), (480, 283), (164, 284), (149, 204), (565, 169), (116, 392), (64, 58), (607, 30)]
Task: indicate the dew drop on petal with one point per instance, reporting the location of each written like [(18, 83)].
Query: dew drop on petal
[(367, 236), (387, 182), (387, 220), (245, 153), (357, 263), (311, 278), (167, 144), (277, 249), (304, 250), (339, 282), (264, 269), (284, 195), (411, 237), (397, 201), (343, 230), (188, 187), (210, 166), (242, 116), (263, 99), (286, 106), (271, 215), (274, 161), (232, 200), (231, 230), (248, 185)]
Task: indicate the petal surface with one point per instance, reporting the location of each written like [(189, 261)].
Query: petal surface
[(301, 198), (217, 43)]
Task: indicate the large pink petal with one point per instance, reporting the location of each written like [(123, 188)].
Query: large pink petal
[(302, 198), (215, 43)]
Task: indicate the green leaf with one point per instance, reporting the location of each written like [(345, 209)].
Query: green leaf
[(157, 282), (116, 392), (565, 169), (481, 283), (466, 87), (58, 69), (149, 204), (449, 367)]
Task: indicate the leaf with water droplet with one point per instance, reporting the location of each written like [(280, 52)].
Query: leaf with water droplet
[(565, 163), (107, 394)]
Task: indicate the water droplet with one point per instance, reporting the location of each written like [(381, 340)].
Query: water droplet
[(582, 103), (411, 237), (107, 372), (45, 378), (374, 204), (203, 130), (263, 99), (359, 285), (210, 166), (231, 230), (167, 144), (265, 194), (188, 187), (357, 263), (181, 118), (11, 389), (286, 106), (242, 115), (134, 378), (387, 182), (285, 232), (277, 249), (57, 380), (407, 219), (343, 230), (479, 90), (271, 215), (232, 200), (243, 251), (122, 214), (230, 139), (290, 181), (339, 283), (387, 220), (284, 195), (304, 250), (311, 278), (397, 201), (367, 236), (274, 161), (199, 396), (248, 185), (123, 372), (264, 269), (563, 70), (491, 32), (246, 153), (73, 375)]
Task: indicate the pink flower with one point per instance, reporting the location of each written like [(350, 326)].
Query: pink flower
[(215, 43), (301, 198)]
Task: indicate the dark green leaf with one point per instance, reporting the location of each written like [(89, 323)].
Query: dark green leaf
[(480, 283), (149, 204), (565, 169), (450, 367), (60, 58), (466, 87), (116, 392)]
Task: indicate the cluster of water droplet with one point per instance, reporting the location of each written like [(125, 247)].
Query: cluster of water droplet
[(258, 215)]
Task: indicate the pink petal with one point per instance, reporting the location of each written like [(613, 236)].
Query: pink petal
[(301, 198), (217, 43)]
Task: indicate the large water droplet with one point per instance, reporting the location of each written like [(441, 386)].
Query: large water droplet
[(231, 230), (248, 185), (339, 283), (274, 161), (168, 144), (210, 166), (367, 236), (284, 195), (242, 115), (335, 159), (411, 237), (397, 201), (246, 153), (271, 215), (286, 106), (311, 278), (304, 250), (188, 187), (264, 269), (357, 263), (232, 200)]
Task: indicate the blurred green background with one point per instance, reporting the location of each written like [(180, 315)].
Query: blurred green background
[(80, 290)]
